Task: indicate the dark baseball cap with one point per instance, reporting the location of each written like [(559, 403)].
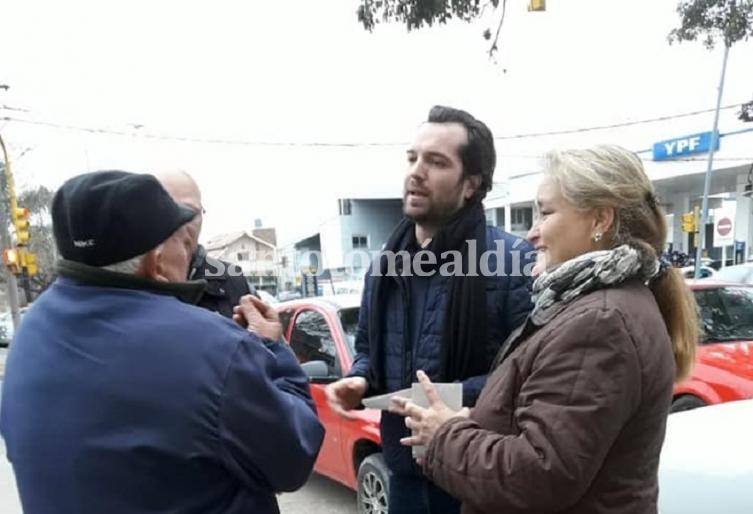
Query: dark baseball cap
[(106, 217)]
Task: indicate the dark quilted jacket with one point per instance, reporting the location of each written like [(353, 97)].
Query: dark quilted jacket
[(508, 304)]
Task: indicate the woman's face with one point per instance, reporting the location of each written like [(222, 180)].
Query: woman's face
[(560, 231)]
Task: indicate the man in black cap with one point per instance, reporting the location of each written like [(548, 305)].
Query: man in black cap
[(122, 397), (225, 281)]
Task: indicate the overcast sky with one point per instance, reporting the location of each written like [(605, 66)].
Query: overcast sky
[(302, 71)]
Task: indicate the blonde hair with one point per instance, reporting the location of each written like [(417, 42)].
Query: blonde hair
[(609, 176)]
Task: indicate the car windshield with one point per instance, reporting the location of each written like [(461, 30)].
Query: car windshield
[(726, 313), (349, 321)]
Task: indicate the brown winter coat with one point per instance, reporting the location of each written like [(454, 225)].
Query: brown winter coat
[(573, 419)]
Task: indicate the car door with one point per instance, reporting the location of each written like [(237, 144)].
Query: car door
[(312, 339)]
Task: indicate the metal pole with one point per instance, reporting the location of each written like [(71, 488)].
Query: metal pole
[(707, 183), (5, 241), (26, 283)]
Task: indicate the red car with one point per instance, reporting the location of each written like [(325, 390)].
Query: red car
[(321, 331), (724, 362)]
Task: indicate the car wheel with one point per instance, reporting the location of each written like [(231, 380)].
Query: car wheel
[(373, 485), (686, 402)]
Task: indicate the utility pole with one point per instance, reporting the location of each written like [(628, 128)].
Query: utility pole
[(5, 240), (707, 183)]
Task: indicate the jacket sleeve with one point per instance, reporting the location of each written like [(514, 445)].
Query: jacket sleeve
[(268, 429), (581, 391), (362, 360), (472, 387)]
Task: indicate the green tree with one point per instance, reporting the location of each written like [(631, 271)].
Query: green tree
[(415, 14), (713, 21)]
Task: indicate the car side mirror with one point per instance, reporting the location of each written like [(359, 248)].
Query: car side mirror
[(317, 371)]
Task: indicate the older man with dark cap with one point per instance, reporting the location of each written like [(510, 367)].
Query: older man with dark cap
[(122, 397)]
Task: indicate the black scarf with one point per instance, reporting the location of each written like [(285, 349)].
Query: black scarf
[(463, 351)]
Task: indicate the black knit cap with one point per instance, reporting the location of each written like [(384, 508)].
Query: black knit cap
[(106, 217)]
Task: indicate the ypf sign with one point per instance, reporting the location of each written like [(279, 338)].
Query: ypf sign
[(724, 228), (684, 146)]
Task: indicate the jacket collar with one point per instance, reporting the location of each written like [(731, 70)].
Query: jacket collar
[(188, 292)]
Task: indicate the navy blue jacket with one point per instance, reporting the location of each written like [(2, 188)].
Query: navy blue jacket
[(126, 401), (508, 304)]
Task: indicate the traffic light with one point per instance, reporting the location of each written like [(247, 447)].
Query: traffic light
[(30, 263), (688, 222), (536, 5), (21, 224), (12, 260)]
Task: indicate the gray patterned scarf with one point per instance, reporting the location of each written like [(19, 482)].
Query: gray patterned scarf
[(554, 289)]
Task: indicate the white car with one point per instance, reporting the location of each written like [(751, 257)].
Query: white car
[(707, 461), (741, 273)]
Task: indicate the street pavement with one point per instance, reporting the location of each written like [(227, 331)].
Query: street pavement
[(319, 496), (9, 503)]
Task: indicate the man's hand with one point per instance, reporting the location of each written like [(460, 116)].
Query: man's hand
[(344, 395), (258, 317)]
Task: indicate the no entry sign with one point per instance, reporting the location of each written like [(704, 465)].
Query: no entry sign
[(724, 227)]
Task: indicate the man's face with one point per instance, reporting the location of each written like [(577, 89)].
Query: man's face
[(434, 186), (193, 226), (174, 255), (184, 190)]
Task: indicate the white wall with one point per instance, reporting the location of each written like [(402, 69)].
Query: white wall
[(330, 235), (261, 258), (743, 213)]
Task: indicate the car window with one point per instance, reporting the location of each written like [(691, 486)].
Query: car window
[(726, 313), (311, 340), (349, 322)]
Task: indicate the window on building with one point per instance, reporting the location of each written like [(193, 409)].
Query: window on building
[(311, 340), (345, 207), (243, 256), (521, 218), (500, 216), (360, 242)]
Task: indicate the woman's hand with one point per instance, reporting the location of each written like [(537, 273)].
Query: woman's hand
[(424, 421)]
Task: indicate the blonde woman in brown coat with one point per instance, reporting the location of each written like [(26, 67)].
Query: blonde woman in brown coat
[(573, 416)]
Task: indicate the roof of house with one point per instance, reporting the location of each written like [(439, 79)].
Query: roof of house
[(223, 240)]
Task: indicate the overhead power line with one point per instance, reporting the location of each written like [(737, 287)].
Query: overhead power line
[(241, 142), (615, 125)]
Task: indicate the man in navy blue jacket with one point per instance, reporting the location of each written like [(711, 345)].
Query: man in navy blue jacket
[(121, 397), (432, 301)]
